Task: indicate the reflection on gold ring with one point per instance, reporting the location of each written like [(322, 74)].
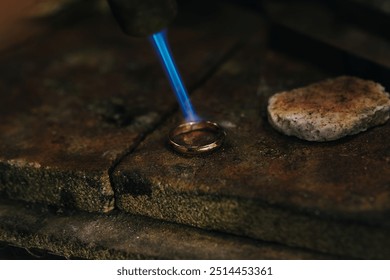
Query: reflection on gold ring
[(196, 137)]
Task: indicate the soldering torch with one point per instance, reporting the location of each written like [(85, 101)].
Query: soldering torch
[(143, 17)]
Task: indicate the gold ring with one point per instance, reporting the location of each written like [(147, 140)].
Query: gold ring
[(196, 137)]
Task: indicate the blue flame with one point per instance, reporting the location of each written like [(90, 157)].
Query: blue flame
[(160, 43)]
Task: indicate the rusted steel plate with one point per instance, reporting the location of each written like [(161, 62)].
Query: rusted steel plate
[(77, 100), (332, 197)]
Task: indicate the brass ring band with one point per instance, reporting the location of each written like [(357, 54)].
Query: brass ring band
[(189, 127)]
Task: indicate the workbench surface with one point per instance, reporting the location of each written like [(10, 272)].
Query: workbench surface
[(85, 169)]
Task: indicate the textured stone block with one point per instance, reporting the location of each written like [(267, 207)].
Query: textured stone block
[(331, 197), (122, 236), (74, 102), (330, 109)]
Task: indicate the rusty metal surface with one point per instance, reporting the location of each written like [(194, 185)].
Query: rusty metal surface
[(74, 102), (332, 197)]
